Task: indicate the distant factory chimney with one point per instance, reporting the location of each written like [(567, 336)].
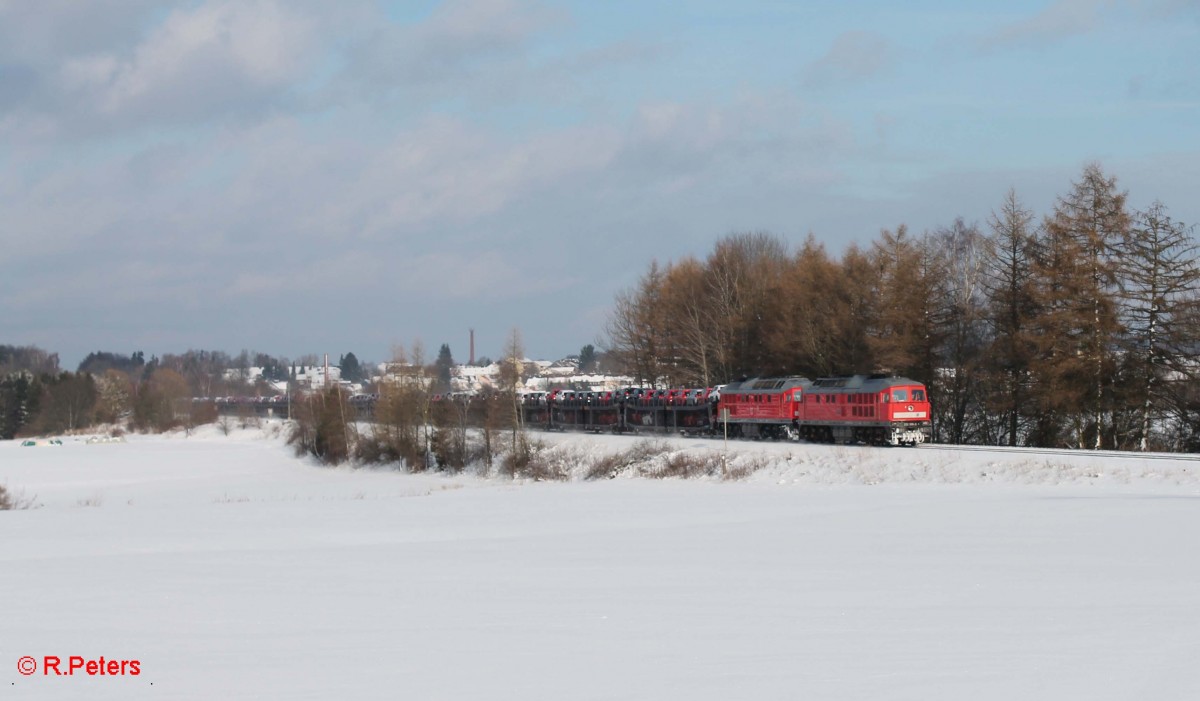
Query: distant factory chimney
[(472, 361)]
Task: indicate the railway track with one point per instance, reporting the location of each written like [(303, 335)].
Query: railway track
[(1062, 452)]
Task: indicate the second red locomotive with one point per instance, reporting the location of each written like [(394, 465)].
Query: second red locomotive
[(873, 409)]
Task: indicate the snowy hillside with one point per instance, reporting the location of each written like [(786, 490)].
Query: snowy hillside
[(229, 569)]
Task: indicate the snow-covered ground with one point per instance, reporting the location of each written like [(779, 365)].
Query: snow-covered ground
[(230, 569)]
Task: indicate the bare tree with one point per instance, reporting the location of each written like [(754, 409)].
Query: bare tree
[(400, 431), (68, 402), (1161, 282), (743, 270), (636, 327), (959, 316), (690, 322), (512, 379)]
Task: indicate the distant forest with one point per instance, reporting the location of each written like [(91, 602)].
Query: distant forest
[(1080, 328)]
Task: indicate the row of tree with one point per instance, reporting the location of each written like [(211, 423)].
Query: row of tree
[(51, 403), (1079, 330), (37, 397)]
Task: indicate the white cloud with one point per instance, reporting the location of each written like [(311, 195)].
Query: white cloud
[(1059, 20), (854, 57), (196, 61), (467, 49), (473, 25), (42, 32)]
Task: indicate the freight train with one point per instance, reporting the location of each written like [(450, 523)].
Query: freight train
[(870, 409)]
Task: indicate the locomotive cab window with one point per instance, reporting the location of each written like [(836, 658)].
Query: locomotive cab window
[(918, 395), (899, 395)]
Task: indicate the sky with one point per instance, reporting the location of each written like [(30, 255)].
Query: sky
[(308, 177)]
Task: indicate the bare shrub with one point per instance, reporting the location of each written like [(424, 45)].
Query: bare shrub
[(532, 460), (647, 449), (685, 465), (371, 449), (607, 466), (740, 469), (552, 464), (640, 456), (94, 500), (15, 501), (227, 499)]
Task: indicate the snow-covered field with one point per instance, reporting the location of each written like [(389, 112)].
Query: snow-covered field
[(231, 570)]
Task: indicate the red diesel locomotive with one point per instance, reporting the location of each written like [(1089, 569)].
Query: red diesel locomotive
[(873, 409)]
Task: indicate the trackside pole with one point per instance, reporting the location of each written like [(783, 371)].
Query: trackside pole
[(725, 455)]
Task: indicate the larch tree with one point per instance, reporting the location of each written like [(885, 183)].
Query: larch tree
[(1093, 218), (858, 312), (904, 334), (1008, 284), (803, 330), (1061, 370)]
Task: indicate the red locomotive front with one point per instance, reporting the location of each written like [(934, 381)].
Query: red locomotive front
[(874, 409)]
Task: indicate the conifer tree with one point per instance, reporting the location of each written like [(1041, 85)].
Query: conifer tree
[(905, 332), (443, 365), (806, 326), (351, 370), (1008, 284), (587, 358), (1089, 224)]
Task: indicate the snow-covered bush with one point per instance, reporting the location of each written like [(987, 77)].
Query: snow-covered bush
[(12, 501)]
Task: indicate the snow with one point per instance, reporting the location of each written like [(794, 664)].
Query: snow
[(231, 569)]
